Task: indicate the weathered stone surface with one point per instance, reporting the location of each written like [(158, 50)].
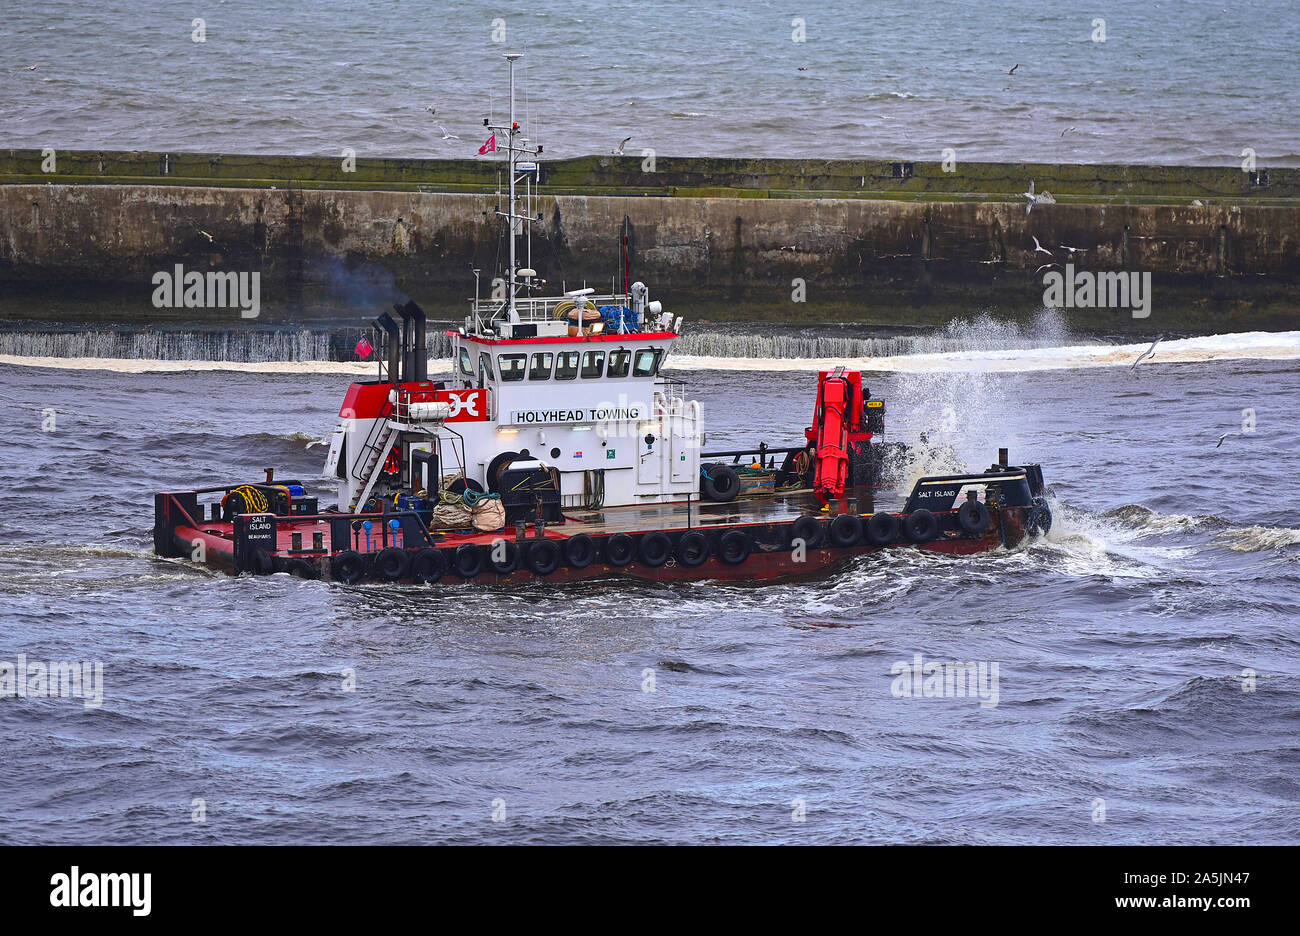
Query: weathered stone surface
[(853, 253)]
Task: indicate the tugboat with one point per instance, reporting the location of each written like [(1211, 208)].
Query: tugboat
[(558, 449)]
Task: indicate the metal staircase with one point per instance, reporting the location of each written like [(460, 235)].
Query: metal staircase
[(377, 447)]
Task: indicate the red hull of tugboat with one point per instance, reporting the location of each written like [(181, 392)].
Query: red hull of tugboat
[(213, 543)]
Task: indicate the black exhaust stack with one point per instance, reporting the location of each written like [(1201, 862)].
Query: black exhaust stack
[(408, 352), (421, 343), (394, 346), (415, 352)]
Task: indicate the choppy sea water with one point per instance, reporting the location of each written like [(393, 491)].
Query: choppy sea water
[(1125, 641), (1174, 82)]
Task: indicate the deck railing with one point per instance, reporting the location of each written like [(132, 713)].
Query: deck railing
[(539, 309)]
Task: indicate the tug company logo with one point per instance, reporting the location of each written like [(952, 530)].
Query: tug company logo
[(466, 405), (463, 404), (80, 888)]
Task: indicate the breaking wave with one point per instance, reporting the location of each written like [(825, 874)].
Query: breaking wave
[(981, 333), (979, 344), (229, 346), (1259, 538)]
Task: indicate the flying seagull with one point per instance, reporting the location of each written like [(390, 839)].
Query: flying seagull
[(445, 134), (619, 151), (1066, 130), (1072, 250), (1042, 198), (1039, 248), (431, 109), (1149, 352), (1224, 436), (1013, 68), (1044, 267)]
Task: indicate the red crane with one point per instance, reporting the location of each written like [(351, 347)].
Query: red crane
[(835, 420)]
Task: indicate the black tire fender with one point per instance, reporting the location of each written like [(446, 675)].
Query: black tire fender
[(509, 563), (882, 528), (348, 567), (579, 551), (429, 565), (693, 549), (620, 549), (1038, 518), (494, 469), (460, 484), (809, 529), (921, 526), (719, 483), (735, 547), (973, 517), (846, 530), (302, 568), (467, 561), (543, 556), (392, 564), (654, 549), (261, 562)]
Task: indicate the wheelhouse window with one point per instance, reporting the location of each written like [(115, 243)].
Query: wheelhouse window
[(512, 366), (647, 362), (566, 365), (620, 362), (484, 367), (540, 368), (466, 363), (593, 365)]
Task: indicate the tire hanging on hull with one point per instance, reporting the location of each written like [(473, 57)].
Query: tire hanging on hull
[(921, 526)]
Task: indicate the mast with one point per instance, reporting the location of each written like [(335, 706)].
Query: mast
[(516, 146), (511, 315)]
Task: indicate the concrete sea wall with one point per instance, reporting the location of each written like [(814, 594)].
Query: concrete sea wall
[(733, 238)]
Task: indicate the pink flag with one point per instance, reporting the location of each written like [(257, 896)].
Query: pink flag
[(490, 146), (363, 348)]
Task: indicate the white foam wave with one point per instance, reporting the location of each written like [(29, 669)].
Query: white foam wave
[(1259, 538), (1236, 346), (133, 366), (1085, 544), (1228, 347)]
